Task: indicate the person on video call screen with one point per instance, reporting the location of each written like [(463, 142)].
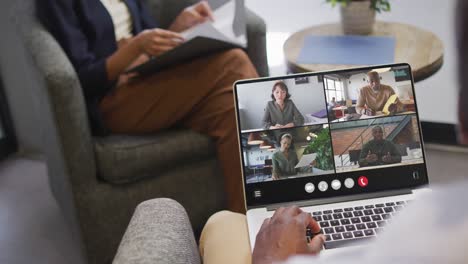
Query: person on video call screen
[(281, 112), (285, 160), (379, 151), (373, 97)]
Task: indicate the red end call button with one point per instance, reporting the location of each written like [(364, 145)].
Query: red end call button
[(363, 181)]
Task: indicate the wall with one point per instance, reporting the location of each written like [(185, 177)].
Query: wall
[(257, 156), (409, 134), (253, 97), (21, 88), (438, 18)]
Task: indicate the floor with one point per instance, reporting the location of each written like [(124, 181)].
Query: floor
[(32, 230)]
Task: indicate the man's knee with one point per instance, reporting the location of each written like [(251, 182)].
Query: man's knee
[(215, 248), (226, 216), (222, 220)]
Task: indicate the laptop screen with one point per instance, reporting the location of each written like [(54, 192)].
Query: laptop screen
[(327, 134)]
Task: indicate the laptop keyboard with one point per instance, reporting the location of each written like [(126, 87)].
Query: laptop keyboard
[(354, 224)]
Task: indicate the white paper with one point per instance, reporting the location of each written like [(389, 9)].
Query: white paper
[(306, 160), (221, 28)]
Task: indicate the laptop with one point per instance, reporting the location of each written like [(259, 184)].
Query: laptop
[(353, 175)]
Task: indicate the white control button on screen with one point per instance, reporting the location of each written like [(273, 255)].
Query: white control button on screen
[(309, 187), (349, 183), (323, 186), (336, 185)]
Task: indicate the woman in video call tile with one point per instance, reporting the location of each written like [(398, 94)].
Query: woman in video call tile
[(285, 160), (281, 112)]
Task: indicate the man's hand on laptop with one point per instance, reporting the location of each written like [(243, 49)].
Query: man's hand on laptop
[(284, 235)]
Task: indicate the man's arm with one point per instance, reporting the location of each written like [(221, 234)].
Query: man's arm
[(391, 154), (284, 235), (363, 156), (276, 172), (396, 155), (361, 102)]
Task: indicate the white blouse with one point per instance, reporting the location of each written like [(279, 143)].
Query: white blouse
[(121, 18)]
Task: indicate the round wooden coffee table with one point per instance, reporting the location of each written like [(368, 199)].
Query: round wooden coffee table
[(421, 49)]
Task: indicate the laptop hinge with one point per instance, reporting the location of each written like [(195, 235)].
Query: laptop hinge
[(340, 199)]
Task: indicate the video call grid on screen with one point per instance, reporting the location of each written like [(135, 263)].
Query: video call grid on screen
[(325, 125)]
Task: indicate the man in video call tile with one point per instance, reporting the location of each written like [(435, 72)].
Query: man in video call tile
[(379, 151), (373, 97), (281, 112)]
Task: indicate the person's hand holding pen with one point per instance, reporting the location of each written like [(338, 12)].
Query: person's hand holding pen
[(191, 16), (393, 108), (369, 112)]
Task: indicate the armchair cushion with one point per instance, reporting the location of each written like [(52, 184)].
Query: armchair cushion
[(159, 232), (125, 159)]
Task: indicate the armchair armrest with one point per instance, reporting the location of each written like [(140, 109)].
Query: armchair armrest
[(256, 41), (159, 232)]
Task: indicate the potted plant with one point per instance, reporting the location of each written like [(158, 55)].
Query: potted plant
[(322, 146), (358, 16)]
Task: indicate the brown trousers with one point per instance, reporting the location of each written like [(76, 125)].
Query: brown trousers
[(197, 95)]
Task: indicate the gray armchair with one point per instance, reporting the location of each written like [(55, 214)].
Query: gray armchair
[(99, 181)]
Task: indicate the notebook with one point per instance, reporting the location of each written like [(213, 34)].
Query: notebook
[(347, 50)]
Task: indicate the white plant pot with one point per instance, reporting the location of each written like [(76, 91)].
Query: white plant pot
[(357, 18)]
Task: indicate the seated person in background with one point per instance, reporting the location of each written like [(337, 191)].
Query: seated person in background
[(281, 112), (379, 151), (373, 97), (285, 160), (333, 103)]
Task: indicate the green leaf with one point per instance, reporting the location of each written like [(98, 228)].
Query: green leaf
[(380, 5), (322, 146), (386, 6)]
